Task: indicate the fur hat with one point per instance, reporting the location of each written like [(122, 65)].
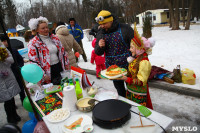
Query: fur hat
[(60, 26), (104, 17), (33, 22)]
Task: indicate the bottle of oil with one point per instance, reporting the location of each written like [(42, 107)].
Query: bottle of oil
[(78, 90)]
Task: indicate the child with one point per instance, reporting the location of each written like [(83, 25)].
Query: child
[(99, 60), (139, 70)]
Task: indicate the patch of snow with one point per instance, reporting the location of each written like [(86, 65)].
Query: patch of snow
[(172, 48)]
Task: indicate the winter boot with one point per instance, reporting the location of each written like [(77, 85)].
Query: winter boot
[(10, 111)]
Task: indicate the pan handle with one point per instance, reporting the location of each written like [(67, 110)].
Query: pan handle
[(150, 120)]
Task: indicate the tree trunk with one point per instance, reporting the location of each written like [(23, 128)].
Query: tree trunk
[(183, 12), (177, 15), (42, 7), (187, 27), (31, 7), (78, 9), (11, 13), (171, 12), (151, 5), (140, 5), (78, 5), (170, 21)]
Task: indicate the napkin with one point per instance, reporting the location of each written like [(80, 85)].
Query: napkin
[(69, 98)]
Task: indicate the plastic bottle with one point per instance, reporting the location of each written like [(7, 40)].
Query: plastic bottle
[(78, 90), (33, 88), (71, 82)]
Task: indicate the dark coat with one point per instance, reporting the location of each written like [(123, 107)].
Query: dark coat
[(127, 33), (20, 62), (16, 67)]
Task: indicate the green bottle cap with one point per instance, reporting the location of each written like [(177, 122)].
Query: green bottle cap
[(77, 79)]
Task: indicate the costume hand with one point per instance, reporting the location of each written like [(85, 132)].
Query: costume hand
[(101, 43), (92, 63), (66, 67), (124, 78)]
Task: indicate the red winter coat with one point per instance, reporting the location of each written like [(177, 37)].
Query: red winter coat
[(94, 57)]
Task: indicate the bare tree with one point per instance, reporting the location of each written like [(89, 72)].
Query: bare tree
[(62, 10), (11, 13), (177, 16), (183, 12), (31, 7), (174, 15), (42, 4), (187, 27)]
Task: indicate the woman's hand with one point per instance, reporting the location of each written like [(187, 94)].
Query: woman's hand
[(66, 67), (101, 43), (46, 78), (124, 78)]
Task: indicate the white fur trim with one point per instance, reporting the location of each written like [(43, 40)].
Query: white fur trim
[(33, 22), (60, 26), (130, 59)]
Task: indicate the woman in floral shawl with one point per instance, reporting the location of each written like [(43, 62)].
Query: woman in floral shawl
[(46, 51)]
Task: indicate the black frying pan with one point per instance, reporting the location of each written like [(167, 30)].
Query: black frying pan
[(111, 113)]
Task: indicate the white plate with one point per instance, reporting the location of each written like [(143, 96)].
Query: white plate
[(103, 73), (58, 115), (106, 94), (86, 121)]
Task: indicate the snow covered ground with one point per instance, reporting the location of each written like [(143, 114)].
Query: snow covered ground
[(173, 47)]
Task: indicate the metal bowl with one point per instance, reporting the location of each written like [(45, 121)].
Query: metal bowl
[(92, 90), (82, 104)]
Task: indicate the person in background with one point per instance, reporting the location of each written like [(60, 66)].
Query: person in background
[(16, 66), (77, 33), (99, 60), (139, 70), (46, 51), (29, 34), (68, 42), (113, 39), (8, 86)]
